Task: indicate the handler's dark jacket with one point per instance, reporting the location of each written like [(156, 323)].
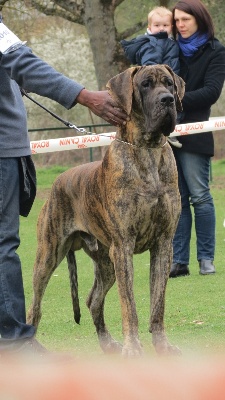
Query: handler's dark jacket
[(204, 74), (152, 49)]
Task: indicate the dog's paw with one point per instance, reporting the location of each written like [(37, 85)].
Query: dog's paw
[(131, 353), (132, 349), (111, 346), (162, 345), (166, 349), (174, 350)]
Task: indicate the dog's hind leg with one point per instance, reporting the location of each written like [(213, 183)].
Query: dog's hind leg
[(51, 250), (104, 280), (44, 266)]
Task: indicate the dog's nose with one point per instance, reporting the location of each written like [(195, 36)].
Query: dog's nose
[(167, 99)]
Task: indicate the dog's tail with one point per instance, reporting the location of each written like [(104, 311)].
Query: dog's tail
[(72, 266)]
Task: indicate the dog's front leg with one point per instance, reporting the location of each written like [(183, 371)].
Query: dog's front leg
[(122, 257), (161, 255)]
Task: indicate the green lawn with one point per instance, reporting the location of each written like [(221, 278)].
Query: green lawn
[(195, 305)]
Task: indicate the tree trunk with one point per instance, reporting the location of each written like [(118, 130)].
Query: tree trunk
[(99, 22), (164, 3)]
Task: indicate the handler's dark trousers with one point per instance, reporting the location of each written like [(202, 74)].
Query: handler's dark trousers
[(12, 303)]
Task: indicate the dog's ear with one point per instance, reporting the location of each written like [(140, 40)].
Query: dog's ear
[(120, 87), (179, 86)]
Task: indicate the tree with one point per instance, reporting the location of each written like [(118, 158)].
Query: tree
[(100, 19), (98, 16), (106, 22)]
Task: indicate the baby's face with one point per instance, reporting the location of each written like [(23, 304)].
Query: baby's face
[(160, 24)]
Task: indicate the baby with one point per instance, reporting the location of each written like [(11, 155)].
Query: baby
[(156, 46)]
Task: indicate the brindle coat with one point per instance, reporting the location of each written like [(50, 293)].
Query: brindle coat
[(123, 205)]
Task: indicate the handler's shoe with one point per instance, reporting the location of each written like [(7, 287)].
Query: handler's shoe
[(33, 346), (174, 142), (34, 349), (206, 267), (31, 349), (29, 346), (179, 270)]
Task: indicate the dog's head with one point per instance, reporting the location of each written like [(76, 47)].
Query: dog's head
[(151, 96)]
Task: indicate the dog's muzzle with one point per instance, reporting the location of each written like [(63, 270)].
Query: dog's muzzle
[(167, 100)]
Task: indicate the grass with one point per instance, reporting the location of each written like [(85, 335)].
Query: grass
[(195, 305)]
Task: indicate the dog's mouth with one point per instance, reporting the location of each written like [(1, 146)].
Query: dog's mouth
[(168, 124), (164, 125)]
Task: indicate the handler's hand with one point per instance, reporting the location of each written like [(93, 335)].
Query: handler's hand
[(102, 104)]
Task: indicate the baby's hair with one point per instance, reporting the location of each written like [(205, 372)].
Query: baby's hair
[(161, 11)]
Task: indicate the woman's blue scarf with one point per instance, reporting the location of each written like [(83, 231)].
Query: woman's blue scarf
[(190, 45)]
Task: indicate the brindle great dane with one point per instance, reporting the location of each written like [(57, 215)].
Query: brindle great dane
[(123, 205)]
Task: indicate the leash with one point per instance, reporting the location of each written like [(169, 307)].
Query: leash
[(67, 123)]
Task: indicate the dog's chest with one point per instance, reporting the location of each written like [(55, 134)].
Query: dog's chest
[(151, 219), (156, 209)]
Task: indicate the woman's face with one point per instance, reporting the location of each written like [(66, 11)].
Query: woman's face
[(186, 23)]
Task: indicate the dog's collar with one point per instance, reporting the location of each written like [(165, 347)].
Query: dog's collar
[(140, 147)]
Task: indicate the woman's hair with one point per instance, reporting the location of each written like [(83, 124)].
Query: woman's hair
[(199, 11)]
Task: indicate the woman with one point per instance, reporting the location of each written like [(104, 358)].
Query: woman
[(202, 63)]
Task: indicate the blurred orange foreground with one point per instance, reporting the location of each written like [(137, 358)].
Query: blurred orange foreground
[(110, 379)]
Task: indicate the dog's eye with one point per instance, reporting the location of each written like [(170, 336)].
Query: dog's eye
[(169, 82), (147, 83)]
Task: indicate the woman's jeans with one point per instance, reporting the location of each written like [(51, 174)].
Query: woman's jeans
[(193, 178), (12, 303)]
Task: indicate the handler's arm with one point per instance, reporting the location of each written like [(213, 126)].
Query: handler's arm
[(34, 75)]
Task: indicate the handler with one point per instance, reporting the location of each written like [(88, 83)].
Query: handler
[(19, 67)]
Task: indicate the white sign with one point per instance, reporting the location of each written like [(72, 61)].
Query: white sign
[(8, 41), (104, 139)]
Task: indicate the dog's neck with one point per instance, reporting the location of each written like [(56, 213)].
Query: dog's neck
[(156, 146), (133, 134)]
